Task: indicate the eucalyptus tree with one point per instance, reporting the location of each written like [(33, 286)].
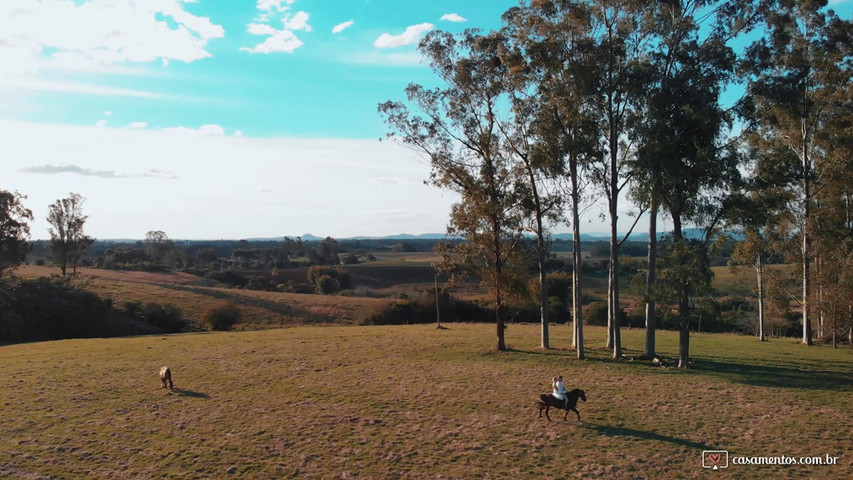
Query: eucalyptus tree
[(833, 226), (14, 230), (458, 127), (620, 44), (67, 239), (793, 74), (551, 48), (756, 215), (535, 182), (682, 148)]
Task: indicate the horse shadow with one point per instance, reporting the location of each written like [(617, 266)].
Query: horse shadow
[(189, 393), (611, 431)]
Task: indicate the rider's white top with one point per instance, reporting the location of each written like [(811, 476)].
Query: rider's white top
[(559, 391)]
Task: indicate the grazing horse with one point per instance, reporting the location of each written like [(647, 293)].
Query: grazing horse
[(547, 401), (166, 377)]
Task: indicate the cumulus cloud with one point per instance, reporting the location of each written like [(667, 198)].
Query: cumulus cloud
[(138, 125), (278, 40), (277, 5), (298, 21), (38, 35), (453, 17), (411, 35), (342, 26)]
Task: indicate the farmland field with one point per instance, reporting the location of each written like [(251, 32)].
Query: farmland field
[(416, 402)]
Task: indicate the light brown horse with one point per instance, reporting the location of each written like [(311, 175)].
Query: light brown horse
[(166, 377)]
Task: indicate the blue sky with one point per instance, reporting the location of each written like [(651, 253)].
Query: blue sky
[(223, 118), (220, 118)]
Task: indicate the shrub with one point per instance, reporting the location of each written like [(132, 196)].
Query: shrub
[(221, 317), (49, 309), (132, 308), (329, 279), (258, 283), (167, 318), (421, 309), (292, 287), (228, 277)]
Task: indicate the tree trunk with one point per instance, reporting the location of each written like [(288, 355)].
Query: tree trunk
[(543, 290), (759, 269), (500, 326), (651, 319), (577, 260), (499, 320), (614, 282), (683, 303), (807, 240), (63, 259)]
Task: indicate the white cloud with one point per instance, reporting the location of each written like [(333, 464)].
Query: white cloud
[(453, 17), (138, 125), (49, 169), (279, 41), (299, 21), (188, 172), (342, 26), (209, 130), (101, 123), (13, 82), (411, 35), (38, 35), (270, 5), (283, 40)]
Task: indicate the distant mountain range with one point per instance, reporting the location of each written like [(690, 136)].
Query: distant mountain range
[(585, 237)]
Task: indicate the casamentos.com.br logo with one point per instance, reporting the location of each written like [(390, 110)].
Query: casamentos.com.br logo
[(719, 459)]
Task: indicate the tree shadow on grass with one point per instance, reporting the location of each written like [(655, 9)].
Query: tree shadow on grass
[(190, 393), (778, 376), (612, 431)]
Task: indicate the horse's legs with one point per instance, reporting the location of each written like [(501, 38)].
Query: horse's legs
[(576, 411), (547, 408)]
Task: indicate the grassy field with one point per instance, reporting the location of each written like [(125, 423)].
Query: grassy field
[(193, 295), (415, 402)]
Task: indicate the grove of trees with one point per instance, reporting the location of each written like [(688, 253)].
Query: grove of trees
[(571, 100)]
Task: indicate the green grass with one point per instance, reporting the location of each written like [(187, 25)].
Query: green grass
[(414, 402)]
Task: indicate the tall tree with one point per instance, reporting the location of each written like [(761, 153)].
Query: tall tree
[(67, 240), (551, 49), (793, 73), (14, 231), (621, 43), (158, 246), (682, 139), (457, 127)]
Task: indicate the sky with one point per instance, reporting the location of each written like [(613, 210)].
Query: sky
[(223, 119)]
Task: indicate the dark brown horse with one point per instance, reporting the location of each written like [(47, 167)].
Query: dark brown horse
[(548, 401)]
